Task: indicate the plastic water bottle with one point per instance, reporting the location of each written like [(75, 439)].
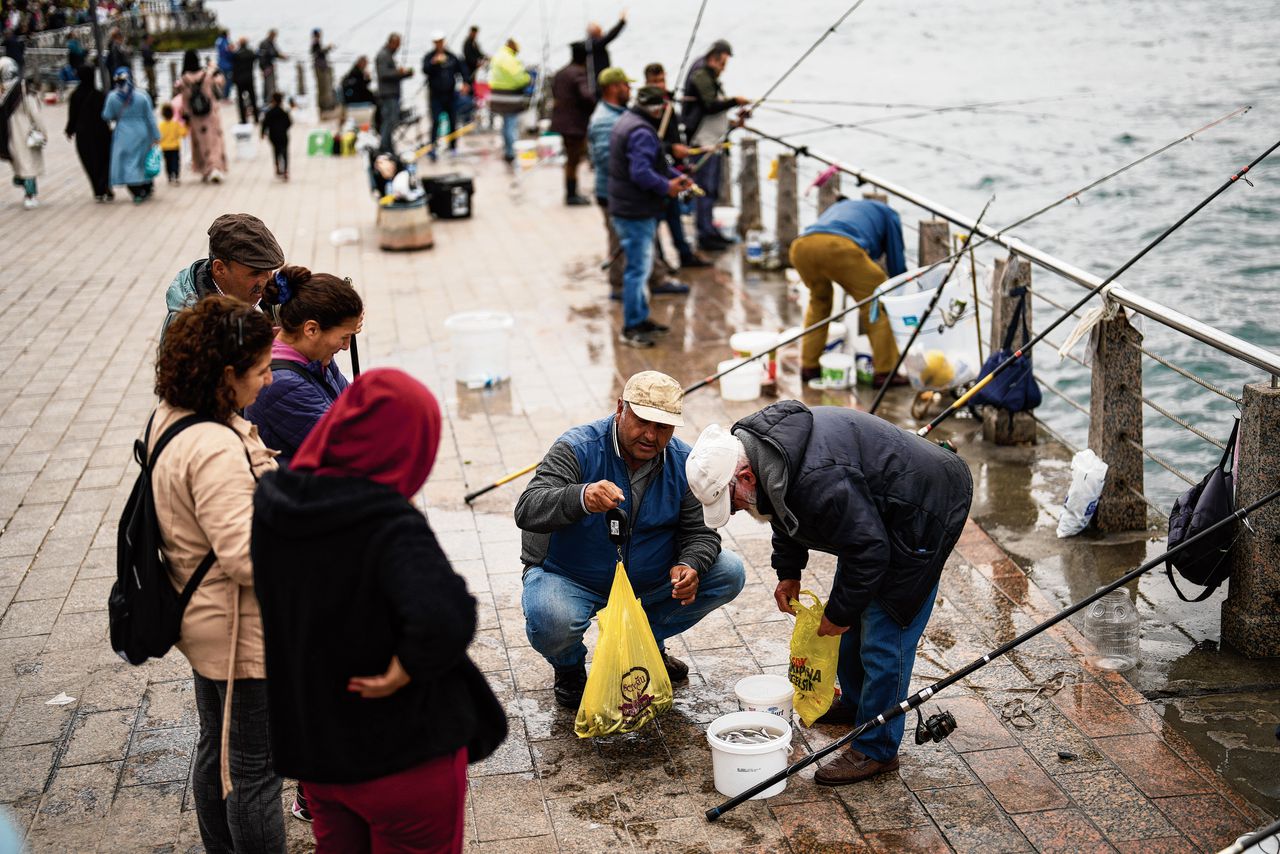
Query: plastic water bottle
[(755, 246), (1112, 625)]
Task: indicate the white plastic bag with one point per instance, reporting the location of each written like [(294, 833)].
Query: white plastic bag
[(1088, 474)]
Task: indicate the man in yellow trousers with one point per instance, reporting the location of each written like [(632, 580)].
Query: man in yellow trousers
[(841, 247)]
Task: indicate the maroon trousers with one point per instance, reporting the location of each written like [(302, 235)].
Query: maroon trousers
[(417, 811)]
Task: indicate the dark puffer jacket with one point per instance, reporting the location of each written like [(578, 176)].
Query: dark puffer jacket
[(888, 504), (286, 410)]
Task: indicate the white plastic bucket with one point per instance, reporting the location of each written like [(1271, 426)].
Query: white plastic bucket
[(738, 767), (726, 219), (527, 153), (246, 141), (754, 342), (744, 383), (837, 335), (550, 145), (481, 347), (766, 692), (942, 356), (837, 370), (863, 362)]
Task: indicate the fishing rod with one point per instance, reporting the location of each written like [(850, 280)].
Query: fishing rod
[(933, 303), (462, 22), (1253, 839), (678, 89), (920, 697), (754, 105), (986, 238), (355, 356), (1017, 355)]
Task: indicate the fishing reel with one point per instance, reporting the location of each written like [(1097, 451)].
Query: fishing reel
[(617, 528), (936, 728)]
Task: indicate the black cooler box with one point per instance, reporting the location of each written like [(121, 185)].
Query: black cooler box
[(449, 196)]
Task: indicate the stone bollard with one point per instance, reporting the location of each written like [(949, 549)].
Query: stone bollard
[(876, 197), (829, 192), (1115, 416), (302, 78), (173, 75), (787, 228), (749, 218), (1251, 612), (725, 196), (999, 425), (934, 242)]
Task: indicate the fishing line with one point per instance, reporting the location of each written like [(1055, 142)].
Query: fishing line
[(462, 22), (408, 30), (822, 102), (800, 150), (511, 25), (920, 697), (369, 18), (1062, 318), (678, 88)]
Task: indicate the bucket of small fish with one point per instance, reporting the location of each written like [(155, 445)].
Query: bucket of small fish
[(746, 748)]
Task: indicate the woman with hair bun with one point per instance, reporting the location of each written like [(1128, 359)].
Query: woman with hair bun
[(317, 314)]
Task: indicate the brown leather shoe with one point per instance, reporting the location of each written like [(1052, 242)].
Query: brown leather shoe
[(852, 767), (677, 670)]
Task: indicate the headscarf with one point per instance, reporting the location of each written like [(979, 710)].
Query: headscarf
[(190, 62), (123, 75), (385, 427)]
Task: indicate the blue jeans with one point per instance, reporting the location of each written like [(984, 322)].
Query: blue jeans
[(708, 178), (510, 130), (675, 225), (390, 109), (557, 611), (636, 237), (876, 658), (448, 105)]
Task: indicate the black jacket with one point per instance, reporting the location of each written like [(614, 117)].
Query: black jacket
[(242, 66), (598, 54), (442, 77), (348, 573), (887, 503)]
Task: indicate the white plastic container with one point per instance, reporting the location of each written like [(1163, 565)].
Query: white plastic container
[(766, 692), (952, 349), (738, 767), (753, 342), (726, 219), (527, 153), (837, 335), (742, 384), (837, 370), (246, 141), (550, 145), (481, 347), (863, 363)]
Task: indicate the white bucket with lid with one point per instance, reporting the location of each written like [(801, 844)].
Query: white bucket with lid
[(744, 383), (753, 342), (945, 353), (550, 145), (481, 347), (527, 153), (726, 219), (738, 767), (837, 370), (246, 141), (766, 692)]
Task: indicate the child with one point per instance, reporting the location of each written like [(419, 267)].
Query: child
[(275, 126), (171, 134)]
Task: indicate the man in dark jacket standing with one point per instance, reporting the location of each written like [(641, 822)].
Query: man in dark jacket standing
[(597, 45), (674, 561), (472, 55), (389, 77), (706, 121), (640, 181), (242, 76), (574, 101), (268, 53), (889, 505), (444, 73)]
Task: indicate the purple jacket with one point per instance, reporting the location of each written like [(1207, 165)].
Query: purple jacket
[(639, 174), (286, 410)]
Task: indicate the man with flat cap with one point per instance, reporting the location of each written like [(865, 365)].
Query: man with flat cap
[(243, 253), (888, 504), (674, 561)]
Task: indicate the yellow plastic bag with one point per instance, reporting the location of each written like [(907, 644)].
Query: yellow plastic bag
[(813, 661), (628, 685)]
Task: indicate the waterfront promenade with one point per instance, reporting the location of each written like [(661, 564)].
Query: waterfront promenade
[(81, 300)]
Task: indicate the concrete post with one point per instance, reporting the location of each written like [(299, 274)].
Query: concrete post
[(935, 241), (726, 177), (999, 425), (302, 78), (173, 75), (788, 222), (749, 183), (1115, 416), (1251, 613), (829, 192)]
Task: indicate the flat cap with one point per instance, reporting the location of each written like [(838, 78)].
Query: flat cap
[(245, 239)]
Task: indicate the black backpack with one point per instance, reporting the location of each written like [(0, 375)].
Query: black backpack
[(144, 610), (1208, 561), (198, 103)]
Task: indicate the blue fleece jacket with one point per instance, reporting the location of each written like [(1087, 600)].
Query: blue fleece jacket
[(872, 225)]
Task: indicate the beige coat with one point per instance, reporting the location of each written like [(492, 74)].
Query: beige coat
[(203, 491), (27, 162)]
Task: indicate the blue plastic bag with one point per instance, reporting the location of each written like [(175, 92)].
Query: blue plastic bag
[(154, 163), (1014, 388)]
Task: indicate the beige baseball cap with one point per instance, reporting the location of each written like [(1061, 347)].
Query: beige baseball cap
[(655, 397)]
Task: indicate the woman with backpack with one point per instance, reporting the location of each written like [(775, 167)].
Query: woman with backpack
[(200, 88), (214, 360), (318, 314), (375, 705)]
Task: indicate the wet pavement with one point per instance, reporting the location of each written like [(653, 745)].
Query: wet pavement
[(1048, 755)]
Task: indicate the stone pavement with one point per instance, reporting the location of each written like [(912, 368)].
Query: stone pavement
[(81, 298)]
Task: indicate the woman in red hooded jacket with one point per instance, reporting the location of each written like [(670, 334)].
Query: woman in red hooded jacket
[(375, 706)]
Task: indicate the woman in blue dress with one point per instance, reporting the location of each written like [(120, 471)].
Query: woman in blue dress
[(134, 134)]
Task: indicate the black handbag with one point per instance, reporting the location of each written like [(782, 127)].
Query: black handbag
[(1014, 388), (1207, 562)]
